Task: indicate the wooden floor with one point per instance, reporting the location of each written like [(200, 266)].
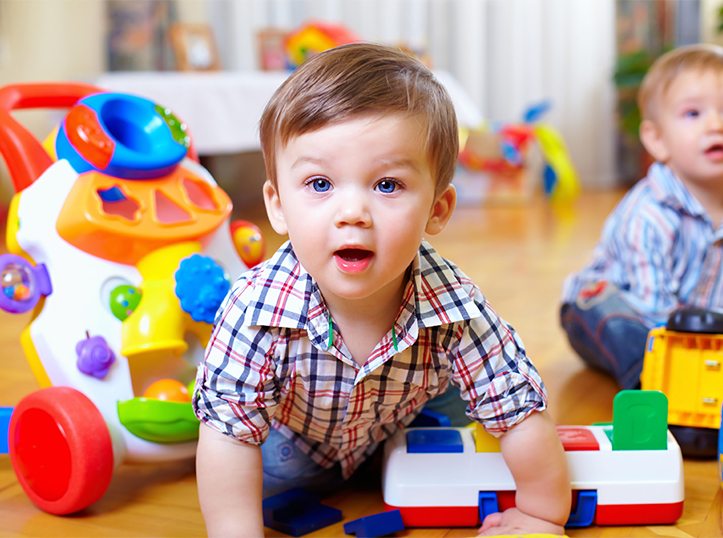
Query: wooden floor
[(519, 256)]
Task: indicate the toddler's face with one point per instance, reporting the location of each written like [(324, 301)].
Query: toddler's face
[(355, 198), (690, 122)]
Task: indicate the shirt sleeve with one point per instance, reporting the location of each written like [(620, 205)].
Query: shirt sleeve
[(495, 375), (236, 386)]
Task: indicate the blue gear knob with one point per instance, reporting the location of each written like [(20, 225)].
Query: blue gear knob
[(201, 285)]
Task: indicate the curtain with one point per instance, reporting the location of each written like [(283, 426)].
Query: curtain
[(506, 54)]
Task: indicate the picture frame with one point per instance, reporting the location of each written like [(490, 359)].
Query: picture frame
[(195, 47), (271, 44)]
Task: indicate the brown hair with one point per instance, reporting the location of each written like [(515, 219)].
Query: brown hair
[(657, 81), (357, 79)]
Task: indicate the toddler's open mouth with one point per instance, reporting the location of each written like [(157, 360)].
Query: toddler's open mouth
[(353, 260), (715, 152)]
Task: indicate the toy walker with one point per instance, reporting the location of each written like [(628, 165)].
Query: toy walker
[(119, 242)]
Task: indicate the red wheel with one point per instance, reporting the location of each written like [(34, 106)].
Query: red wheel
[(60, 449)]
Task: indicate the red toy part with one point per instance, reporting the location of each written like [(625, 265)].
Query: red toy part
[(575, 438), (506, 499), (25, 157), (496, 166), (438, 516), (518, 135), (593, 290), (638, 514), (60, 449), (88, 138)]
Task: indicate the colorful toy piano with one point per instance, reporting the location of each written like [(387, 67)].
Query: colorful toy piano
[(625, 473)]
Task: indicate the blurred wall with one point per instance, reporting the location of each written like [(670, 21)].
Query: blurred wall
[(48, 40), (710, 21)]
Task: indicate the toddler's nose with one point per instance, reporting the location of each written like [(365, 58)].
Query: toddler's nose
[(715, 121), (353, 210)]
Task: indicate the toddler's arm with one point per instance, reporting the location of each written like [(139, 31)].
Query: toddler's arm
[(534, 454), (230, 478)]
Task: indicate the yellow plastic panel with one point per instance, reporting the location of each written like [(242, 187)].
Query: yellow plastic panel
[(652, 376), (688, 369), (682, 379), (11, 231), (158, 325), (485, 442), (711, 382)]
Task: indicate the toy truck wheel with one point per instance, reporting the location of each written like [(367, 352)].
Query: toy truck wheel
[(696, 320), (60, 449), (699, 443)]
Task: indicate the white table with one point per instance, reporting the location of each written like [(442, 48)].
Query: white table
[(223, 108)]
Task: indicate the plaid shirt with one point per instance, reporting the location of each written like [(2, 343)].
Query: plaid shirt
[(660, 248), (269, 363)]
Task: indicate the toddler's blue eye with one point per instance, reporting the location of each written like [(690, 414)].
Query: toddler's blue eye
[(321, 185), (387, 186), (691, 114)]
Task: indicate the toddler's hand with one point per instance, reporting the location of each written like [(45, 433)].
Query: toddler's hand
[(514, 522)]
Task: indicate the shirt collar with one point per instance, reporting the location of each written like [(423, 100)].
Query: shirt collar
[(443, 294), (286, 295), (282, 290), (669, 190)]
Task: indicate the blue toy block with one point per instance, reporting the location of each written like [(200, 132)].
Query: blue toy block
[(582, 516), (433, 441), (375, 525), (430, 419), (487, 504), (5, 413), (298, 512), (584, 513)]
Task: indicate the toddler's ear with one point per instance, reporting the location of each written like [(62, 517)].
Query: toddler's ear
[(652, 138), (441, 211), (273, 209)]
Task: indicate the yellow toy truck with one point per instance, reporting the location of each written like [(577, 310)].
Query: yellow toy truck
[(684, 361)]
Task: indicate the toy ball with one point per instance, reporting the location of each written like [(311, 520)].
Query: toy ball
[(21, 293), (168, 390), (15, 282), (249, 242), (124, 300)]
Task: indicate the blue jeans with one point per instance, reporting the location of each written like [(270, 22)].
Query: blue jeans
[(607, 334), (287, 467)]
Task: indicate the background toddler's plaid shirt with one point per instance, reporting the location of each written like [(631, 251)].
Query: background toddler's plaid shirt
[(267, 363)]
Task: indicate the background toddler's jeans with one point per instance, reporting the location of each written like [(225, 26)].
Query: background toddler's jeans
[(607, 333)]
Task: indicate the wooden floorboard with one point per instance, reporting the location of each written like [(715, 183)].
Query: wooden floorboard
[(519, 256)]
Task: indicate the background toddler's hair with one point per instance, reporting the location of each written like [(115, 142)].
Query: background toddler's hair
[(699, 57)]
